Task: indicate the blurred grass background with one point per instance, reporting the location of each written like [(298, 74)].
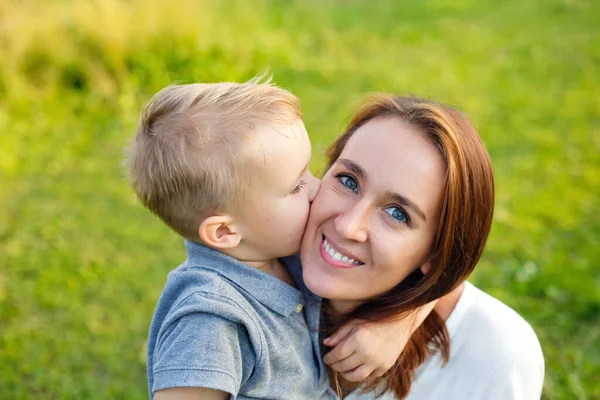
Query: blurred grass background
[(82, 263)]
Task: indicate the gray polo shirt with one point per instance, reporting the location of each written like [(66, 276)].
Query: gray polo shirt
[(224, 325)]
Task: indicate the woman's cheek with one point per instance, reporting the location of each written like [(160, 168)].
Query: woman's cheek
[(325, 202)]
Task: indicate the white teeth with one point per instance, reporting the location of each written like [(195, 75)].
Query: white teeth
[(338, 256)]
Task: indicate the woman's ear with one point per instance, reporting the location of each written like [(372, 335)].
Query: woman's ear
[(219, 232), (425, 268)]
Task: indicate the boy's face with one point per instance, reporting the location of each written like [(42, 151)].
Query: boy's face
[(274, 218)]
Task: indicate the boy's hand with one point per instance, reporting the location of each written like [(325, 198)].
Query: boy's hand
[(364, 350)]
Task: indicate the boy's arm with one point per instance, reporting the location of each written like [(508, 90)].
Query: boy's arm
[(190, 394), (364, 350)]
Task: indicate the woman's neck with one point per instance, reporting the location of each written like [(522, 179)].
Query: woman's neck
[(446, 304), (343, 307)]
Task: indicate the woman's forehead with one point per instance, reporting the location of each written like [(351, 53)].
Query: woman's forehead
[(392, 142), (395, 156)]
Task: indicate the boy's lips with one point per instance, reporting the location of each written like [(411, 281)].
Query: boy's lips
[(332, 256)]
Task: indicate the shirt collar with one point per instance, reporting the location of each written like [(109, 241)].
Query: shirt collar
[(267, 289), (294, 267)]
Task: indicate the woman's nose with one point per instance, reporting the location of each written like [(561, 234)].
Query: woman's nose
[(352, 224)]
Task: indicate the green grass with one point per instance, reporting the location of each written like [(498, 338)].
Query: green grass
[(82, 263)]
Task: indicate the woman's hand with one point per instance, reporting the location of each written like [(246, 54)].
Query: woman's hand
[(364, 350)]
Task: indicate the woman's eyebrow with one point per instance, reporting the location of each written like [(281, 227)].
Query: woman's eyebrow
[(407, 203), (352, 166)]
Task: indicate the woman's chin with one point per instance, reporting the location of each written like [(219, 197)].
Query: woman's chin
[(333, 290), (320, 284)]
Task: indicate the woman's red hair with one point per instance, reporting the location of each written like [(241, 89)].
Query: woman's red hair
[(464, 225)]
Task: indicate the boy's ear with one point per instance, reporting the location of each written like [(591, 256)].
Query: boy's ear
[(218, 231)]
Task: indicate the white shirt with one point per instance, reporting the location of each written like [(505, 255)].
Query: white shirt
[(494, 355)]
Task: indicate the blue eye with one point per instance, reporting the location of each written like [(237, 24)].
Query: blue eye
[(397, 213), (349, 182)]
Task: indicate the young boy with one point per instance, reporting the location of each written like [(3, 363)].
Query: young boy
[(226, 166)]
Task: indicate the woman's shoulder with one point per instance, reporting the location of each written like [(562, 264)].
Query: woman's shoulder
[(494, 354), (483, 312), (489, 333)]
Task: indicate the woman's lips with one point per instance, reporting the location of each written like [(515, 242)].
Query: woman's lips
[(333, 260)]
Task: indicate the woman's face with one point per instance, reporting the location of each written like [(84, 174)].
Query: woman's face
[(375, 217)]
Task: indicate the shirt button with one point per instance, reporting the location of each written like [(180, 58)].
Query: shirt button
[(298, 308)]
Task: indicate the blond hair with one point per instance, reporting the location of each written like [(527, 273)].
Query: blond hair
[(192, 154)]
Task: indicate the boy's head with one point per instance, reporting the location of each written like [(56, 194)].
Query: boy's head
[(226, 164)]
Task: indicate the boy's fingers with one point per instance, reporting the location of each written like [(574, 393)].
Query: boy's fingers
[(377, 373), (358, 374), (347, 364), (339, 336), (340, 352)]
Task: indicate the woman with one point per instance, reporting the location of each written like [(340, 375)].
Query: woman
[(401, 219)]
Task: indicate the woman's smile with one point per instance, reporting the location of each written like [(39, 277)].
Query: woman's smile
[(337, 257)]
